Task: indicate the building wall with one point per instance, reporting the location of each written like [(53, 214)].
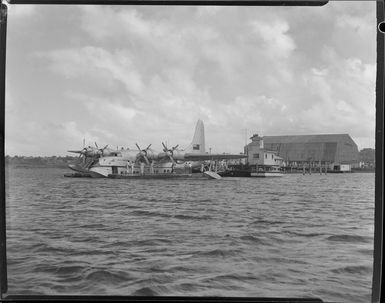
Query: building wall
[(258, 155), (345, 167), (347, 152), (314, 148)]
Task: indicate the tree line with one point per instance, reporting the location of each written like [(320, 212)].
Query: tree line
[(28, 161)]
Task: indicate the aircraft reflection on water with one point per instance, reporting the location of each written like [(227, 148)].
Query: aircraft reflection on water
[(147, 163)]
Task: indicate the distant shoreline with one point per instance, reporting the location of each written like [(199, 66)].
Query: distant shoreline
[(39, 162)]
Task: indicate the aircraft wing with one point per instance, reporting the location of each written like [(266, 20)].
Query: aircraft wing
[(202, 157)]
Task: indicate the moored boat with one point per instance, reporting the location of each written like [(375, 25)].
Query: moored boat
[(266, 172)]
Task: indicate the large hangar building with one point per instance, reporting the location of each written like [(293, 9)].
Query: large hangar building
[(337, 151)]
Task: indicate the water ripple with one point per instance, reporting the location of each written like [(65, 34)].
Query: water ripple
[(295, 236)]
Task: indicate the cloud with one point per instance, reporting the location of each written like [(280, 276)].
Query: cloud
[(103, 22), (277, 41), (96, 64), (208, 11), (359, 24), (146, 74), (343, 98), (69, 132), (42, 137), (21, 11)]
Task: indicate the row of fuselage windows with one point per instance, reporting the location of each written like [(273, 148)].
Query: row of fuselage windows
[(256, 156)]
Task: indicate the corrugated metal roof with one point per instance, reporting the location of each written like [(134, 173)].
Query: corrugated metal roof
[(308, 138)]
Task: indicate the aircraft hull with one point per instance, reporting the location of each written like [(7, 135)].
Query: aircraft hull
[(151, 176), (77, 168), (100, 171)]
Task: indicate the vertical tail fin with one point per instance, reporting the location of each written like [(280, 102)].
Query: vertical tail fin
[(198, 142)]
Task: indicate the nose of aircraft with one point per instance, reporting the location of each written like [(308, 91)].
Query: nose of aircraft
[(76, 167), (72, 166)]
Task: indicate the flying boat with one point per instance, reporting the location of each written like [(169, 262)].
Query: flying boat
[(146, 162)]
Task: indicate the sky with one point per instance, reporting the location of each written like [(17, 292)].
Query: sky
[(121, 75)]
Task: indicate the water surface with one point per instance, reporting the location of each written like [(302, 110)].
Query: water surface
[(295, 236)]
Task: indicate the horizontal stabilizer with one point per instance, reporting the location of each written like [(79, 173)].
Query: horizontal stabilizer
[(202, 157), (75, 151)]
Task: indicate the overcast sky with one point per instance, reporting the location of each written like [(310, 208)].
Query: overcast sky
[(119, 75)]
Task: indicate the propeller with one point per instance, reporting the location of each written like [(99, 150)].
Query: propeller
[(100, 150), (80, 152), (143, 153), (83, 155), (76, 151), (170, 152)]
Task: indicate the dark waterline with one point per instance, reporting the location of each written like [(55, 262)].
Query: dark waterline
[(295, 236)]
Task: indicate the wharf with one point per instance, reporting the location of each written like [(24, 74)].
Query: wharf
[(235, 173)]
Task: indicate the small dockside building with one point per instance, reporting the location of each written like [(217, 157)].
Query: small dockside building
[(259, 156), (334, 152)]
